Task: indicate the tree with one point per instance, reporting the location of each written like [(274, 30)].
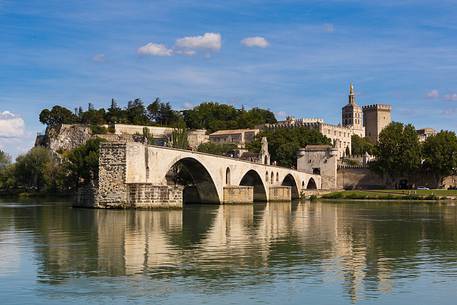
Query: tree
[(214, 116), (153, 110), (216, 149), (57, 115), (255, 116), (179, 136), (283, 143), (440, 155), (82, 162), (359, 146), (136, 113), (5, 159), (37, 169), (398, 152)]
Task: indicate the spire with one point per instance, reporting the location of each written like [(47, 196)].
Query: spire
[(351, 94)]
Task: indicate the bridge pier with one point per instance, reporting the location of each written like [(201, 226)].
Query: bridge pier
[(238, 194), (280, 193)]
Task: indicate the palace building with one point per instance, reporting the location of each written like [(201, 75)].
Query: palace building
[(366, 121)]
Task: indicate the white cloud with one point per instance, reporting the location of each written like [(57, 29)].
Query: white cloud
[(433, 93), (99, 57), (155, 49), (185, 52), (329, 28), (209, 41), (11, 126), (451, 97), (256, 41)]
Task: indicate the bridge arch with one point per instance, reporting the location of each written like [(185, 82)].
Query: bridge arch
[(199, 186), (311, 184), (252, 178), (289, 180)]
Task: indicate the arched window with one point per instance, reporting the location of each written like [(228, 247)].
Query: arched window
[(266, 176), (227, 176), (272, 177), (277, 176)]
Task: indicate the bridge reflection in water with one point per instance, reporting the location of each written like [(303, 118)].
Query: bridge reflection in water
[(366, 248)]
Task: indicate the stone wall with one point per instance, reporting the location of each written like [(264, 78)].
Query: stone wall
[(238, 194), (280, 193), (358, 178), (113, 191), (146, 195), (86, 196)]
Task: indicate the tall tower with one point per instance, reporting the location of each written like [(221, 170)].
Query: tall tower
[(375, 118), (351, 114)]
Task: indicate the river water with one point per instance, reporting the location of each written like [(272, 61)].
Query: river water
[(276, 253)]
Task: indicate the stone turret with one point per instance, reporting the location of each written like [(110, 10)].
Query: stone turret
[(264, 154)]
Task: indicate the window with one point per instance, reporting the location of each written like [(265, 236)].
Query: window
[(227, 176)]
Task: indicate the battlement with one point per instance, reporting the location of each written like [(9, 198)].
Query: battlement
[(373, 107)]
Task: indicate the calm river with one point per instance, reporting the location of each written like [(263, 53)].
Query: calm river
[(301, 253)]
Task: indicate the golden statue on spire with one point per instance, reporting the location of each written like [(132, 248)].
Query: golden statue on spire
[(351, 89)]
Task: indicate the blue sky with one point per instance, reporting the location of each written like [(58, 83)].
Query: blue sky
[(305, 54)]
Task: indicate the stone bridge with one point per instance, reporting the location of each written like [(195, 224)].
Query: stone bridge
[(137, 175)]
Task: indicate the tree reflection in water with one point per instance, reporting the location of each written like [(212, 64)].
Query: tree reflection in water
[(370, 248)]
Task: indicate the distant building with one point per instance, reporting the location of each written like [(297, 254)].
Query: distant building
[(240, 137), (319, 160), (375, 118), (424, 133), (162, 134), (367, 121), (351, 114)]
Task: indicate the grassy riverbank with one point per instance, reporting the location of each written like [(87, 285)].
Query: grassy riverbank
[(393, 194)]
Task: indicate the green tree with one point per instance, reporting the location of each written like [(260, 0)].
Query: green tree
[(398, 152), (359, 146), (216, 149), (5, 159), (440, 155), (214, 116), (283, 143), (115, 114), (81, 163), (37, 169), (58, 115), (136, 113), (255, 116), (179, 136)]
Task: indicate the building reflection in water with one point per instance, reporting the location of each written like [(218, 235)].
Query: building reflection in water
[(362, 246)]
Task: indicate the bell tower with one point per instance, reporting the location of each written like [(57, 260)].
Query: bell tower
[(351, 114)]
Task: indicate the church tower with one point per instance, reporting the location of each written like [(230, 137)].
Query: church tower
[(352, 114)]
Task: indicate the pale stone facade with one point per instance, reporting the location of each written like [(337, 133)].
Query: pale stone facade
[(339, 135), (319, 160), (424, 133), (240, 137), (366, 121), (375, 118)]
